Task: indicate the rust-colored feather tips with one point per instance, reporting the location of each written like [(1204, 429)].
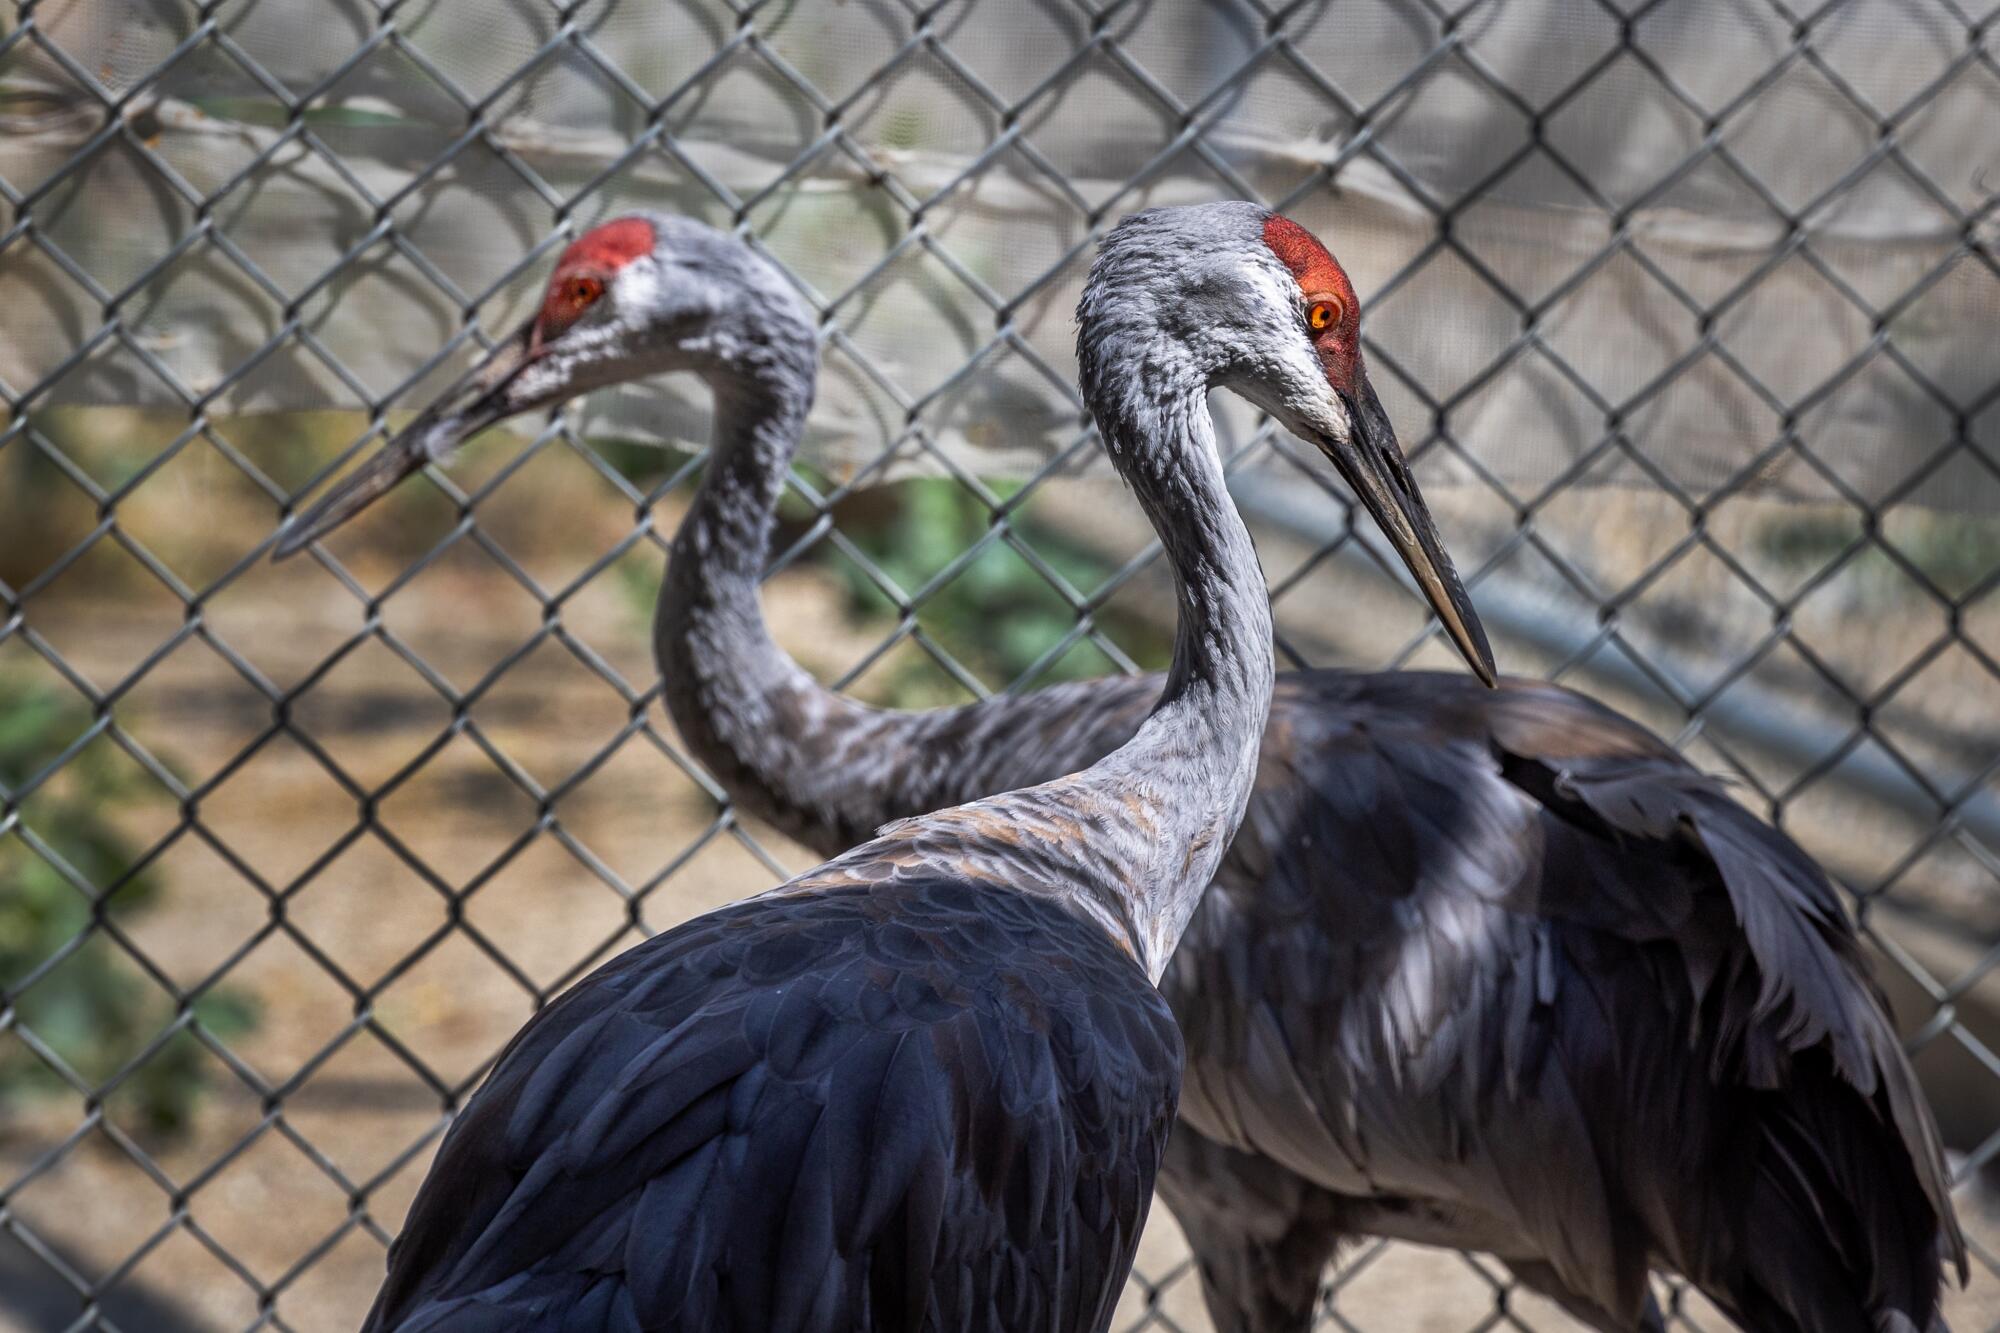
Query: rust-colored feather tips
[(585, 269), (1333, 315)]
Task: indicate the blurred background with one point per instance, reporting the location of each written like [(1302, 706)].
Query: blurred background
[(1688, 312)]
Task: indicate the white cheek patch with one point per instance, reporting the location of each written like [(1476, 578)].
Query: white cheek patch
[(637, 287), (562, 369), (1275, 289), (1292, 347), (1291, 382)]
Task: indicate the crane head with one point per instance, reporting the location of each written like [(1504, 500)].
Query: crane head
[(1234, 296), (637, 296), (1372, 459)]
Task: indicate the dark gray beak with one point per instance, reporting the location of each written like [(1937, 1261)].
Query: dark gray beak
[(1372, 464), (470, 406)]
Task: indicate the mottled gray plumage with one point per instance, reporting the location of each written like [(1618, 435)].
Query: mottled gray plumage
[(928, 1084), (1488, 969)]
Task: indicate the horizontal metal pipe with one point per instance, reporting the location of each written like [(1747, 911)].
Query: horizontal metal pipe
[(1747, 713)]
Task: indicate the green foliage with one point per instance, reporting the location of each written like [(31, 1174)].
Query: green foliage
[(1954, 551), (641, 462), (902, 128), (274, 115), (998, 615), (95, 1009)]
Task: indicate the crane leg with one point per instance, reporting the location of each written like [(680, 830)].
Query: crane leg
[(1261, 1236), (1541, 1279)]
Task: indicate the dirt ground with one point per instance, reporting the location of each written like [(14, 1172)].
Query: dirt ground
[(354, 971)]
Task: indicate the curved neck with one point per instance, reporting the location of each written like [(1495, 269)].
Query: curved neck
[(823, 768), (720, 549), (1193, 762), (748, 712), (1154, 816), (1133, 841)]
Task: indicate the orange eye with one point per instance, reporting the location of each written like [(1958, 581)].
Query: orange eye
[(1323, 314), (582, 291)]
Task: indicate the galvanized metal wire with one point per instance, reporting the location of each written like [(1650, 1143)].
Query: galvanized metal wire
[(124, 117)]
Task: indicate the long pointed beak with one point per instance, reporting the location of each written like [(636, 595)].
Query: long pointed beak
[(1372, 463), (477, 401)]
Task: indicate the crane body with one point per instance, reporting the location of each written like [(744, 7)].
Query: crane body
[(1494, 969), (768, 1118), (927, 1085)]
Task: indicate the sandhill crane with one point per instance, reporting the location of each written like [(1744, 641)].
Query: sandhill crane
[(926, 1085), (1488, 969)]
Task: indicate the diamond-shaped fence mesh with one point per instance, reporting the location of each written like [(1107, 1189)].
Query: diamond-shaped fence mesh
[(1688, 312)]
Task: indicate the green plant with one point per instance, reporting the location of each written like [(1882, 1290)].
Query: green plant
[(93, 1009), (998, 615), (1955, 551)]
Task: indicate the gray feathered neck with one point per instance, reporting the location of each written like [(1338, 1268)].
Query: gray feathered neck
[(1131, 841)]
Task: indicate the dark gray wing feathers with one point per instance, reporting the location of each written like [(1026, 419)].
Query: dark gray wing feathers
[(1520, 955), (897, 1107)]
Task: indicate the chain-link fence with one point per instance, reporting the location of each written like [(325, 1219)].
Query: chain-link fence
[(1688, 313)]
